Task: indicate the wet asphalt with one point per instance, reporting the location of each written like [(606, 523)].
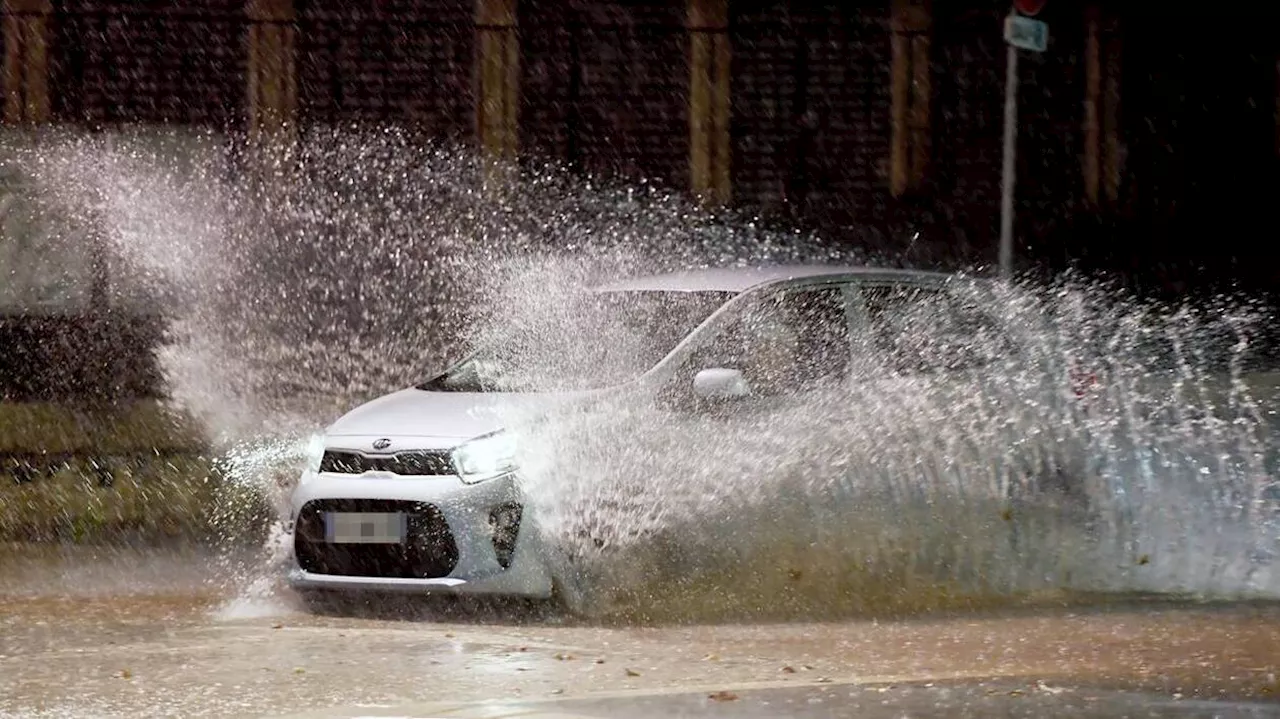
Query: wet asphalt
[(132, 635), (845, 701)]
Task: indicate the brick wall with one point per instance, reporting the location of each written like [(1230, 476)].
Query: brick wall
[(811, 109), (604, 87), (401, 61), (185, 62), (148, 61), (968, 75)]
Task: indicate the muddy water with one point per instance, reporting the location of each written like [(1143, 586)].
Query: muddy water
[(150, 635)]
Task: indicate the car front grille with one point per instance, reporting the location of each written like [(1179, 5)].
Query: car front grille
[(428, 551), (415, 463)]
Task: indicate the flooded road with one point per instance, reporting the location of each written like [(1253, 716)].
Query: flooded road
[(148, 636)]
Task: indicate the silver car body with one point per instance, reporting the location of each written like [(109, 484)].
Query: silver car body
[(434, 424)]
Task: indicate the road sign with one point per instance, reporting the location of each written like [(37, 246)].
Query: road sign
[(1028, 7), (1026, 33)]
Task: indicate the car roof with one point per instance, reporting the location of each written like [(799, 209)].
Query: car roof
[(740, 279)]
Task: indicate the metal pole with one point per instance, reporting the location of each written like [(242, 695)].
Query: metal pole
[(1009, 174)]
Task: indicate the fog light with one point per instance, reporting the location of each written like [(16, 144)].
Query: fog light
[(504, 523)]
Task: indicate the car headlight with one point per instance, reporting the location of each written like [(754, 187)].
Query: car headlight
[(315, 453), (485, 458)]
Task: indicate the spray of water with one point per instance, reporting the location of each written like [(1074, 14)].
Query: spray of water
[(1122, 448), (298, 284)]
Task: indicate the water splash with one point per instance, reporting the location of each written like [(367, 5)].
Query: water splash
[(300, 284), (927, 491)]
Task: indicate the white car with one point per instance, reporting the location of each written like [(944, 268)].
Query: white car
[(418, 490)]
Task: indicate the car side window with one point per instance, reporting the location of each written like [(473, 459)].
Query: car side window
[(788, 342), (917, 329)]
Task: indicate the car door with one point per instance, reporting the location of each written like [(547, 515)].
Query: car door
[(940, 349), (918, 330), (786, 344)]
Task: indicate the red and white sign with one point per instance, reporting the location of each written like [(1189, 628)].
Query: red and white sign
[(1030, 8)]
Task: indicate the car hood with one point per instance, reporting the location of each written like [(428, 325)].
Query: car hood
[(440, 415), (446, 418)]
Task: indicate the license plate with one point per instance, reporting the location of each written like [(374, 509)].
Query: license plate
[(364, 527)]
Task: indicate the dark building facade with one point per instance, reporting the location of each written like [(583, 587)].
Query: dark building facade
[(1130, 119), (1147, 143)]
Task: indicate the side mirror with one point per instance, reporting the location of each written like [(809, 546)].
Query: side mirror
[(721, 383)]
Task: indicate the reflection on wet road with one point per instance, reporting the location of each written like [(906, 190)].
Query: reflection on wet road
[(162, 648), (995, 700)]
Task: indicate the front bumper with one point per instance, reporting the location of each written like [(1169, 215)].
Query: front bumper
[(461, 538)]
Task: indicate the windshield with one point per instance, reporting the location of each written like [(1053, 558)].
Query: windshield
[(597, 340)]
